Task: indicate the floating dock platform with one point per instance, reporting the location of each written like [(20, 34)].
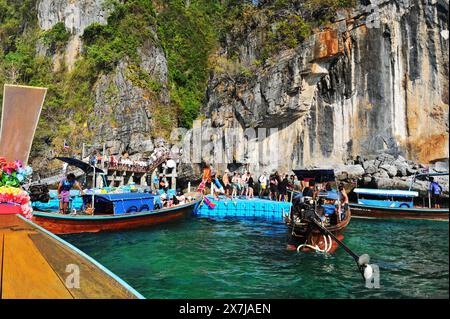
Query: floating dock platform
[(246, 208), (39, 265)]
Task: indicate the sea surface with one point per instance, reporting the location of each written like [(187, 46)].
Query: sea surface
[(236, 258)]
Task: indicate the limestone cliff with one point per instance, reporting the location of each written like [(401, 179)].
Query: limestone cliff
[(374, 81), (76, 16), (128, 97)]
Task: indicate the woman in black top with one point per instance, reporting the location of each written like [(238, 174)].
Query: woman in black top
[(250, 183), (282, 189), (273, 183)]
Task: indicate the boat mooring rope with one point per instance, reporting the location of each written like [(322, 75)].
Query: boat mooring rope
[(317, 248)]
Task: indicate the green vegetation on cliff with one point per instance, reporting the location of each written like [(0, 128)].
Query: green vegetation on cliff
[(129, 25), (280, 24), (189, 31)]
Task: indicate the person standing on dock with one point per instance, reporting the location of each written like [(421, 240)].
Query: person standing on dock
[(206, 178), (64, 188), (263, 181), (217, 186), (234, 185), (244, 181), (226, 182), (273, 187), (435, 190), (251, 184), (282, 189)]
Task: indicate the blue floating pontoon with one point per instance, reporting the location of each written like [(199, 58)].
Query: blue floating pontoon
[(245, 208)]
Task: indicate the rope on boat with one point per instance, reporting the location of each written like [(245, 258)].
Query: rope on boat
[(327, 248)]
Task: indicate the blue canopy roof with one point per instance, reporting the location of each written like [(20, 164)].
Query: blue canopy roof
[(431, 174), (123, 196), (122, 203), (329, 195), (319, 175), (385, 192)]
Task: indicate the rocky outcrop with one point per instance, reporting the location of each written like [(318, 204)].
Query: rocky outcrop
[(124, 103), (76, 15), (126, 97), (374, 82), (390, 172)]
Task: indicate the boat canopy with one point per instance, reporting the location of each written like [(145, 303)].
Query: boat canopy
[(329, 195), (431, 174), (85, 167), (124, 203), (319, 175), (124, 196), (386, 192)]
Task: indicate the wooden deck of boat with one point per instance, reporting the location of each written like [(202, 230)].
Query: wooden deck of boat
[(33, 265)]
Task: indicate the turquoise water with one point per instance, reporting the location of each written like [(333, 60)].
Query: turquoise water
[(230, 258)]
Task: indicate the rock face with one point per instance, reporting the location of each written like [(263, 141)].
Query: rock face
[(364, 86), (374, 82), (123, 106), (390, 172), (76, 15), (124, 101)]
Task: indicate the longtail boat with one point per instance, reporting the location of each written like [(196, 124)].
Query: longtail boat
[(395, 204), (313, 218), (37, 264), (109, 212)]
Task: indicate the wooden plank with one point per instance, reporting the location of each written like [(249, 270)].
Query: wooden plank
[(93, 283), (26, 273), (10, 223), (34, 266)]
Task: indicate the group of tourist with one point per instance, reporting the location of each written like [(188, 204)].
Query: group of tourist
[(122, 162), (244, 185), (166, 200)]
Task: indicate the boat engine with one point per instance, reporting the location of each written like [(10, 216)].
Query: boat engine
[(303, 210)]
